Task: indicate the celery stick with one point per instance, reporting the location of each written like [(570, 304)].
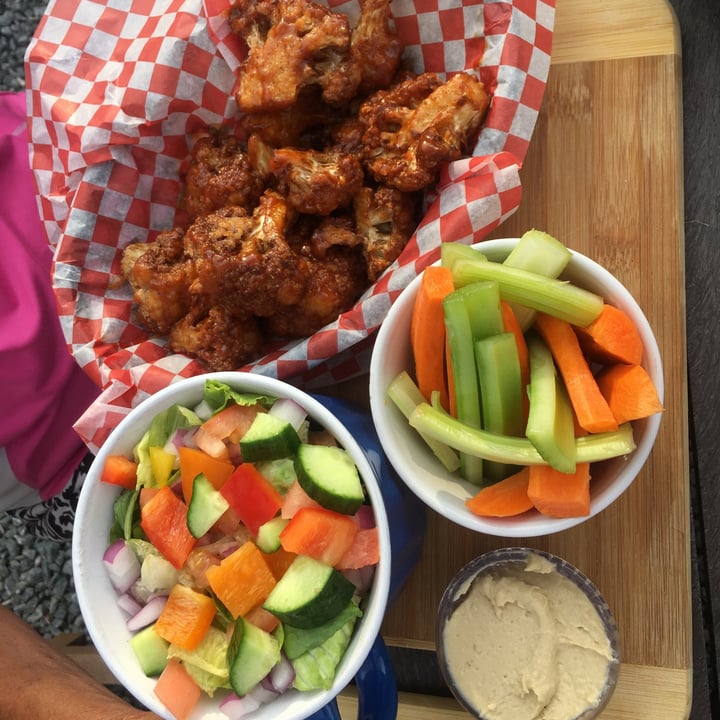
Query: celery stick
[(550, 426), (550, 295), (603, 446), (407, 396), (462, 360), (500, 382), (452, 251), (438, 424), (482, 302), (541, 253)]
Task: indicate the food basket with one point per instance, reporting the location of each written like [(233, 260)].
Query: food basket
[(116, 89)]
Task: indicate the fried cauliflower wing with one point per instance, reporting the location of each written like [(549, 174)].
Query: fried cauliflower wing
[(386, 219), (219, 339), (220, 174), (291, 44), (419, 125), (244, 261), (317, 182), (335, 283), (160, 276), (375, 47)]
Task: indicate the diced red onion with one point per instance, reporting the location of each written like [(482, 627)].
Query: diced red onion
[(361, 578), (122, 565), (189, 437), (287, 409), (365, 517), (234, 453), (144, 594), (237, 707), (264, 693), (148, 614), (282, 675), (203, 410), (128, 604)]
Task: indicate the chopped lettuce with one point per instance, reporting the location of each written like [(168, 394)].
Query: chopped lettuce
[(207, 664), (279, 472), (161, 429), (126, 516), (218, 394), (315, 669)]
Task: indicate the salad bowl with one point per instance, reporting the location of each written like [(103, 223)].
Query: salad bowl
[(445, 492), (365, 658)]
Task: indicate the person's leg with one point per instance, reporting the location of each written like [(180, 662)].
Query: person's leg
[(53, 519)]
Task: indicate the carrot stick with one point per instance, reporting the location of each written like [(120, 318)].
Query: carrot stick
[(611, 338), (629, 391), (560, 494), (504, 498), (512, 325), (427, 331), (592, 411)]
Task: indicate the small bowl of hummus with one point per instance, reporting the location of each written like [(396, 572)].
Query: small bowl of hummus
[(522, 634)]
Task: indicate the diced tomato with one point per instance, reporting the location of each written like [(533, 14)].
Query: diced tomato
[(253, 498), (176, 690), (262, 618), (147, 494), (365, 550), (194, 461), (228, 523), (296, 498), (164, 520), (320, 533), (232, 422), (119, 470), (279, 561), (211, 444)]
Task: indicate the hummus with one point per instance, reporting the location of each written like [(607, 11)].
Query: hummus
[(527, 643)]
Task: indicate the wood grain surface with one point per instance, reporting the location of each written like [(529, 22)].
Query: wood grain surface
[(605, 175)]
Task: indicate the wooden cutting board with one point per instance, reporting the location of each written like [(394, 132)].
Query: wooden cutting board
[(604, 175)]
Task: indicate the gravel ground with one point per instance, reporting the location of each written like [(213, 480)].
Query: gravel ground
[(35, 575)]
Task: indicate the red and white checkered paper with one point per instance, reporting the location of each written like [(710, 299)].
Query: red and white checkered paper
[(116, 87)]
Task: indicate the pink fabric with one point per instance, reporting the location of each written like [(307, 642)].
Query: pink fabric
[(42, 389)]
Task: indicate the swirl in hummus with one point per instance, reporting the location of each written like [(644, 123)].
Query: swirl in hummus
[(526, 644)]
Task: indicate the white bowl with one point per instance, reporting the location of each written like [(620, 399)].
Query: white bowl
[(97, 599), (446, 493)]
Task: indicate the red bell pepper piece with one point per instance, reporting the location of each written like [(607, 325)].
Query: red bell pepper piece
[(119, 470), (164, 520), (322, 534), (254, 499)]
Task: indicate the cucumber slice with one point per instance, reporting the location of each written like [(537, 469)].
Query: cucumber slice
[(151, 650), (329, 476), (309, 593), (252, 653), (268, 536), (268, 438), (298, 640), (205, 508)]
